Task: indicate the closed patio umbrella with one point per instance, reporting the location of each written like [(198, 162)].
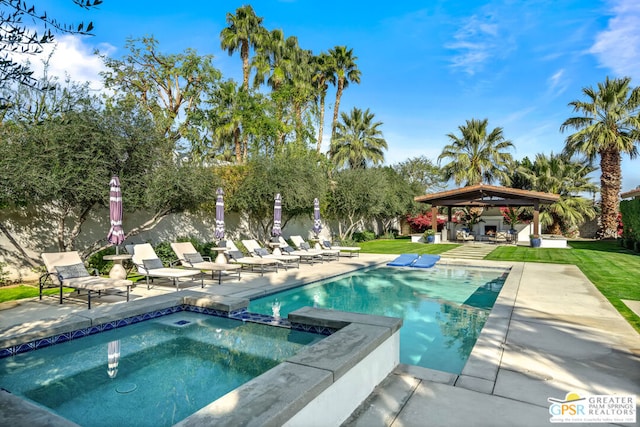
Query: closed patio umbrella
[(219, 232), (277, 217), (316, 217), (116, 234)]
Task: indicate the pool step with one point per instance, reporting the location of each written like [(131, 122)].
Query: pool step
[(470, 251), (385, 402)]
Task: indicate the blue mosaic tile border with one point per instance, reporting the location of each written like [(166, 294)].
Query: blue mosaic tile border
[(246, 316), (80, 333), (241, 314), (321, 330)]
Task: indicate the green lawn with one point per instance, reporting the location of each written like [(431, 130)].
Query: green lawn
[(614, 270), (11, 293)]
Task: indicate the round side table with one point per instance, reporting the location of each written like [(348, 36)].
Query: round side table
[(117, 271), (220, 258), (276, 248)]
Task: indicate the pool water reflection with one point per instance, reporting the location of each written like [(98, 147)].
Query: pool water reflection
[(443, 308)]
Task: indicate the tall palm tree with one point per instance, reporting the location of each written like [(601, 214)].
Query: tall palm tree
[(346, 71), (569, 178), (244, 31), (276, 62), (608, 127), (477, 155), (358, 141), (227, 118), (324, 73)]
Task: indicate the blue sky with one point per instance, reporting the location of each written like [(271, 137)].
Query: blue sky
[(427, 67)]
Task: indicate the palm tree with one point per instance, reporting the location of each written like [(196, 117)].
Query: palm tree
[(244, 31), (569, 178), (358, 141), (346, 71), (609, 126), (477, 156), (324, 73), (276, 62)]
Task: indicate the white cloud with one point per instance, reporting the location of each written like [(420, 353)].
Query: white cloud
[(557, 83), (71, 56), (477, 41), (618, 47)]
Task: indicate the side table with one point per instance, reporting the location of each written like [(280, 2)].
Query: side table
[(276, 248), (117, 271), (220, 258)]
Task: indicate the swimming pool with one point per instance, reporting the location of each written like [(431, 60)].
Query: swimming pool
[(155, 372), (443, 308)]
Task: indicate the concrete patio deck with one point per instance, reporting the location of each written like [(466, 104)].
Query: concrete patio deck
[(550, 333)]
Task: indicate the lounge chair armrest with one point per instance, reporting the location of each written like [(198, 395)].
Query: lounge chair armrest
[(48, 276), (141, 267), (93, 271), (206, 258)]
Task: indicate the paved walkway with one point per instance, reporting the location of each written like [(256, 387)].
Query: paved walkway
[(550, 333), (471, 250)]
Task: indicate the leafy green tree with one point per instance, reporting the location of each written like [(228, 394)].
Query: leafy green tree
[(243, 33), (293, 173), (397, 199), (19, 38), (358, 141), (422, 174), (569, 178), (60, 167), (355, 196), (609, 126), (169, 87), (477, 155), (343, 63)]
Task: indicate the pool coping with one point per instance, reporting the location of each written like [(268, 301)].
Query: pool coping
[(265, 400)]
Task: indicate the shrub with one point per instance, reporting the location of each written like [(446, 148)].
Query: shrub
[(4, 274), (364, 236), (97, 261)]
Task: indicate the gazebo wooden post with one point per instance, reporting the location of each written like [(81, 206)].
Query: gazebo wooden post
[(434, 219), (536, 217)]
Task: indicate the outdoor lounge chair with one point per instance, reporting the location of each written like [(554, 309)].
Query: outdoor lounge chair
[(260, 252), (66, 270), (308, 256), (464, 236), (328, 254), (251, 263), (190, 258), (404, 260), (344, 250), (500, 237), (425, 261), (150, 266)]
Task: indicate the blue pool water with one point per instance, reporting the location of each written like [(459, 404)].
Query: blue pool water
[(444, 308), (167, 368)]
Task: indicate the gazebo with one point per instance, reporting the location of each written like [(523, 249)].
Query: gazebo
[(483, 195)]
